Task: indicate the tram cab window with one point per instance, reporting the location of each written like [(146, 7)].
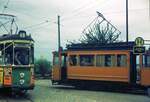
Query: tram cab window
[(86, 60), (21, 56), (121, 60), (8, 56), (73, 60)]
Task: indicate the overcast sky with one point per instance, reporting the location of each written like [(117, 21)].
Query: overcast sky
[(75, 15)]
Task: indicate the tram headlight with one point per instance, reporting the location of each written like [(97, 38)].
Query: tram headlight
[(22, 75), (22, 81)]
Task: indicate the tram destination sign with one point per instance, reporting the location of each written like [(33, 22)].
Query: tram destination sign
[(139, 49), (139, 41)]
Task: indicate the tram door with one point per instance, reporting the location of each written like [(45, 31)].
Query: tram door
[(145, 69), (59, 68), (63, 66), (56, 69)]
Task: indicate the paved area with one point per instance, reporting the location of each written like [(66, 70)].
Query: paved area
[(45, 92)]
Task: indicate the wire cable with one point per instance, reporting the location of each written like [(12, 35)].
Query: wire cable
[(5, 6), (110, 13), (31, 26), (81, 10)]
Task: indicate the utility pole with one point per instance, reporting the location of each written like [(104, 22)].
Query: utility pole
[(149, 9), (59, 43), (127, 31), (58, 33)]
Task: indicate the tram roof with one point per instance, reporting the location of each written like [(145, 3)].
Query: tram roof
[(96, 46), (15, 37)]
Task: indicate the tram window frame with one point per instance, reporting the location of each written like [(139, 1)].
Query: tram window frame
[(87, 62), (121, 62), (73, 60)]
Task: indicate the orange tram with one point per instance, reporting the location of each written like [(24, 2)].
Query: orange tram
[(101, 64)]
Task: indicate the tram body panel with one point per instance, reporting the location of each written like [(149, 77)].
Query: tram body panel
[(99, 74), (145, 69), (56, 73), (145, 75), (103, 73), (7, 76), (21, 77)]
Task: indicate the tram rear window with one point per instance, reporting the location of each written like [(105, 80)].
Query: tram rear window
[(86, 60)]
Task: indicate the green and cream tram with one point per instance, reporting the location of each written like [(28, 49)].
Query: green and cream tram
[(17, 61)]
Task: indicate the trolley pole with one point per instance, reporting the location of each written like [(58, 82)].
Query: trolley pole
[(127, 31)]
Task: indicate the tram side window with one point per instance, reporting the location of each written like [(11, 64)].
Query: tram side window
[(147, 61), (110, 60), (107, 60), (86, 60), (121, 60), (100, 60), (73, 60)]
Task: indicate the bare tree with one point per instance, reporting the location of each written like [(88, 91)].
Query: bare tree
[(99, 31), (98, 34)]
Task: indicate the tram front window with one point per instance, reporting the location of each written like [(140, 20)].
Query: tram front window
[(8, 54), (21, 56)]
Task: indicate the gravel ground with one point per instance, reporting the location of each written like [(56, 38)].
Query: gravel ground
[(45, 92)]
